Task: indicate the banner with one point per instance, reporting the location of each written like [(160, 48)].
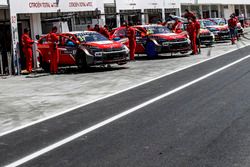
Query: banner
[(48, 6)]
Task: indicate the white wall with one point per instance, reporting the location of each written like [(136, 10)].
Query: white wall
[(217, 1), (109, 1), (146, 4), (3, 2)]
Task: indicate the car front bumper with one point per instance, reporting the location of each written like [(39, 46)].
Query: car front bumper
[(175, 47)]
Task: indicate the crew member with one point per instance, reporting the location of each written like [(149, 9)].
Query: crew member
[(176, 24), (52, 39), (188, 14), (192, 36), (131, 34), (89, 28), (27, 49), (232, 24), (102, 31), (197, 31)]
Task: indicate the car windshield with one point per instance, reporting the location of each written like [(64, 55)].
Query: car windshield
[(90, 37), (202, 24), (208, 23), (220, 21), (157, 30)]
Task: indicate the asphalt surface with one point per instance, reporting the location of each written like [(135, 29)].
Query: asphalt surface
[(206, 124), (29, 98)]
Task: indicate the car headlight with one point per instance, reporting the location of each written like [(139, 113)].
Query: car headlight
[(124, 47), (93, 50)]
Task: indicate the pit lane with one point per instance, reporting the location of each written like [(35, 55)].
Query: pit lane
[(26, 99)]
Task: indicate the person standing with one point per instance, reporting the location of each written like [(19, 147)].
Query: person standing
[(131, 34), (197, 31), (27, 43), (52, 39), (192, 36), (232, 24)]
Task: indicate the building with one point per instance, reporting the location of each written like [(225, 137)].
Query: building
[(217, 8), (149, 11), (41, 16)]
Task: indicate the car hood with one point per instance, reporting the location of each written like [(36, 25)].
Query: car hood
[(105, 44), (204, 31), (169, 36)]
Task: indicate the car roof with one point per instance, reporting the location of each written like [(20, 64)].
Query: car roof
[(77, 32), (148, 25)]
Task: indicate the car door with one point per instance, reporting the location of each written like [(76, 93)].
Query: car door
[(43, 49), (67, 49)]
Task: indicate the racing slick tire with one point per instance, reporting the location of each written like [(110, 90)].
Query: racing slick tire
[(150, 50), (81, 62), (44, 65)]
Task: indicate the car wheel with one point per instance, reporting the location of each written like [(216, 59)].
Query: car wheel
[(151, 49), (82, 62), (45, 66)]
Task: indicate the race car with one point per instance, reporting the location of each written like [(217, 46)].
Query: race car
[(221, 32), (223, 21), (206, 37), (154, 39), (83, 49)]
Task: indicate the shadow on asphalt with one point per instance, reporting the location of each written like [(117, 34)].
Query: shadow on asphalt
[(222, 41), (160, 57), (75, 71)]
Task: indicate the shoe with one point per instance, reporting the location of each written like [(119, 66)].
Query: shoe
[(25, 72)]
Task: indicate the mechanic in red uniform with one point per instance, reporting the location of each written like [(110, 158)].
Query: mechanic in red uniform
[(102, 31), (188, 14), (192, 35), (89, 28), (52, 39), (232, 24), (197, 30), (131, 34), (176, 24), (27, 49)]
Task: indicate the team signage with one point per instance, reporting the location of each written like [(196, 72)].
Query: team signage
[(46, 6)]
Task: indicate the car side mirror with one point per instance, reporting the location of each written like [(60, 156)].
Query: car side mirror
[(37, 37)]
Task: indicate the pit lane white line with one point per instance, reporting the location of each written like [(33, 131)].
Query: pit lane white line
[(116, 117), (110, 95)]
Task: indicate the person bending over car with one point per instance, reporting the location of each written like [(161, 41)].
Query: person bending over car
[(102, 31)]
